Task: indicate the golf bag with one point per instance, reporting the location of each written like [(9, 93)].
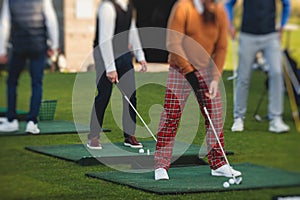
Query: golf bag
[(294, 77), (294, 74)]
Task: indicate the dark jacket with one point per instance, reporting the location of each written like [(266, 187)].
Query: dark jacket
[(28, 29)]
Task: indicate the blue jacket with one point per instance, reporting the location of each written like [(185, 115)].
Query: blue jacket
[(259, 16)]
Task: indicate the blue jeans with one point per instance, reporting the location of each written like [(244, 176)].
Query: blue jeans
[(16, 65)]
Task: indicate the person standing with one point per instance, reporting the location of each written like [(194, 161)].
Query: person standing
[(258, 33), (197, 43), (116, 37), (29, 26)]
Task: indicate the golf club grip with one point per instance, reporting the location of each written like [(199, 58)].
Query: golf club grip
[(193, 81)]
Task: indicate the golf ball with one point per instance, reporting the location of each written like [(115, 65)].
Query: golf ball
[(231, 181), (141, 150), (226, 184), (239, 180)]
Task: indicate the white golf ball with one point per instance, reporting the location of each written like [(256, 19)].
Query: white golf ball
[(239, 180), (231, 181), (141, 150), (226, 184)]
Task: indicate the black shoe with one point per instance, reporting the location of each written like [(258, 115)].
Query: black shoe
[(132, 142)]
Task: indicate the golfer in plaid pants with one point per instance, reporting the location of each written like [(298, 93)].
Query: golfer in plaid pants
[(177, 91), (197, 43)]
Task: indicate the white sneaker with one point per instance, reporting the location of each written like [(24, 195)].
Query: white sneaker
[(238, 125), (161, 174), (2, 119), (94, 144), (7, 126), (225, 171), (278, 126), (32, 128)]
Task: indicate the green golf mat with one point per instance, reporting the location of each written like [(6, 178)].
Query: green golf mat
[(21, 114), (195, 179), (117, 153), (50, 127)]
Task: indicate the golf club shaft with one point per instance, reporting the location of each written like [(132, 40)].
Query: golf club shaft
[(260, 101), (215, 133), (218, 140), (136, 112)]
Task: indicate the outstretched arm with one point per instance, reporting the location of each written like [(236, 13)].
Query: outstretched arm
[(136, 47), (286, 10), (52, 26), (5, 31), (229, 5), (107, 14)]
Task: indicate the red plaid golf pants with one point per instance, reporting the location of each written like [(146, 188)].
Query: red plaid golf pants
[(177, 92)]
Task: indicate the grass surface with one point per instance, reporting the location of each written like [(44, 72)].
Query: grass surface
[(26, 175)]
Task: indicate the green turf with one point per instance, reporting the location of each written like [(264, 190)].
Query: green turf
[(50, 127), (117, 153), (198, 179), (27, 175), (20, 113), (3, 110), (34, 176)]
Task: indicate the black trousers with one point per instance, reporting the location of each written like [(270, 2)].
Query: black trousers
[(126, 77)]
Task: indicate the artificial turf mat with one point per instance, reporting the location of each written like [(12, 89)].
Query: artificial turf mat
[(21, 114), (195, 179), (50, 127), (117, 153)]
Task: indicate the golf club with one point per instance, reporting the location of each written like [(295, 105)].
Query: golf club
[(234, 76), (123, 93), (237, 180), (264, 92), (256, 115)]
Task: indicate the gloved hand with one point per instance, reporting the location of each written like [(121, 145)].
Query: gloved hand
[(213, 88), (193, 80)]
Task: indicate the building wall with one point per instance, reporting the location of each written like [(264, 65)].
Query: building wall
[(78, 32)]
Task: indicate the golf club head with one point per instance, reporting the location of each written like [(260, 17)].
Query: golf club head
[(232, 77), (238, 180), (258, 118)]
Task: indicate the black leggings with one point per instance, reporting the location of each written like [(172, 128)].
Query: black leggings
[(126, 77)]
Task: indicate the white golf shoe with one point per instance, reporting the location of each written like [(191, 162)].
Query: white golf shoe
[(32, 128), (226, 171), (161, 174), (2, 119), (7, 126), (278, 126), (94, 143), (238, 125)]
